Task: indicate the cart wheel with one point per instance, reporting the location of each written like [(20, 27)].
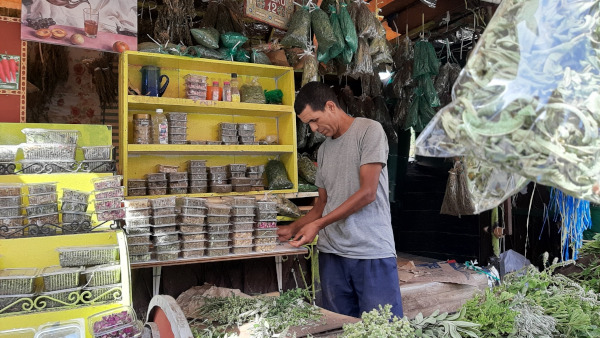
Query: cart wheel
[(168, 317)]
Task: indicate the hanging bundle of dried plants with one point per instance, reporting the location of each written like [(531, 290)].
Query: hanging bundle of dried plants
[(175, 21)]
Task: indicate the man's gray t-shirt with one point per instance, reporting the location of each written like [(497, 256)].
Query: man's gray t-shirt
[(366, 234)]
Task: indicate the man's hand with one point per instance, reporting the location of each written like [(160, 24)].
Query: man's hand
[(286, 232), (306, 235)]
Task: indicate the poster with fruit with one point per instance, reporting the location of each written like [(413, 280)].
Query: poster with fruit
[(106, 25), (10, 71)]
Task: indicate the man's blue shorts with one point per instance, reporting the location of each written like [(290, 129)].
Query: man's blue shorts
[(352, 286)]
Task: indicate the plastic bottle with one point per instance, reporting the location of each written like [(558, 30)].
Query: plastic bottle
[(160, 128), (235, 90), (226, 91), (215, 91)]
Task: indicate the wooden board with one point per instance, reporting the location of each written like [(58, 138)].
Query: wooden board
[(331, 322)]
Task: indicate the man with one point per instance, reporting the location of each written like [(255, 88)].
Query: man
[(357, 256)]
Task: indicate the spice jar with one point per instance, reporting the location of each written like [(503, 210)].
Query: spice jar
[(215, 91), (142, 130)]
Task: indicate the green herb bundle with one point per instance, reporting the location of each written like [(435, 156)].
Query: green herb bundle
[(379, 323)]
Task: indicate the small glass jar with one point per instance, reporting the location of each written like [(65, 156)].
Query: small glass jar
[(226, 91), (142, 129), (215, 91)]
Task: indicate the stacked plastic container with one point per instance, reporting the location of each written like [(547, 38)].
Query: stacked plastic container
[(16, 284), (217, 179), (256, 173), (165, 236), (137, 227), (8, 156), (157, 183), (246, 133), (195, 87), (108, 193), (228, 133), (137, 187), (265, 230), (198, 177), (47, 148), (43, 205), (178, 182), (118, 322), (98, 158), (10, 203), (74, 205), (242, 223), (218, 228), (177, 128), (236, 174), (192, 226)]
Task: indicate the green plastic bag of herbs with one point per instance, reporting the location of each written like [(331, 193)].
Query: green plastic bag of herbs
[(252, 92), (304, 186), (307, 169), (241, 55), (298, 28), (207, 37), (259, 57), (348, 28), (203, 52), (233, 40), (338, 47), (321, 26), (277, 176)]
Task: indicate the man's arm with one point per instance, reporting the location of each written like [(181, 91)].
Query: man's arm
[(369, 181), (288, 231)]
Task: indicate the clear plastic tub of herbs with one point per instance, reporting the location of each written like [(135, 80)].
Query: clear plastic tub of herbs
[(17, 281), (104, 274), (88, 255), (59, 278)]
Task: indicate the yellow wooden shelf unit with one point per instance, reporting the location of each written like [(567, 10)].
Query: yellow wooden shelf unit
[(204, 117)]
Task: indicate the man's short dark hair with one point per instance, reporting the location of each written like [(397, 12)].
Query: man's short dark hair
[(314, 94)]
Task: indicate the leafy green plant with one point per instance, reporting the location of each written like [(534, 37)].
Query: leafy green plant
[(444, 325), (492, 311), (379, 324)]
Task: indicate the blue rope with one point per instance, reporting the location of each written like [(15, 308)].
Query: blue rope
[(575, 219)]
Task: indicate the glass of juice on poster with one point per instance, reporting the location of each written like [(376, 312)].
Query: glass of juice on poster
[(90, 22)]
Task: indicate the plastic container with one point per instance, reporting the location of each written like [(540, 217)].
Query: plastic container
[(193, 236), (266, 224), (40, 151), (229, 139), (218, 236), (197, 190), (256, 168), (16, 211), (178, 176), (156, 177), (242, 188), (139, 249), (242, 226), (239, 234), (243, 181), (193, 245), (18, 333), (139, 238), (140, 258), (108, 203), (241, 241), (218, 209), (8, 153), (177, 137), (193, 219), (107, 182), (157, 191), (246, 126), (166, 228), (105, 274), (39, 135), (109, 193), (242, 219), (97, 152), (246, 133), (227, 132), (264, 247), (106, 293), (131, 213), (198, 177), (196, 164), (6, 300), (10, 189), (98, 166), (190, 227), (218, 243), (258, 188), (167, 246), (245, 249), (218, 182), (228, 125), (236, 174), (88, 255), (110, 214), (236, 167), (137, 191), (217, 219), (165, 237), (178, 130), (164, 168), (266, 215), (162, 220), (178, 184), (246, 139), (32, 210), (176, 116), (192, 253), (254, 175), (72, 195), (137, 222), (136, 230), (198, 184), (117, 322), (68, 296), (167, 255), (60, 329), (217, 176), (41, 188), (141, 203), (79, 217), (164, 211), (266, 206), (158, 184), (163, 202), (265, 240), (197, 170), (242, 210), (218, 227), (44, 219), (177, 124), (43, 199), (58, 278), (191, 203), (221, 188), (142, 129), (137, 184), (15, 221), (212, 252), (17, 281)]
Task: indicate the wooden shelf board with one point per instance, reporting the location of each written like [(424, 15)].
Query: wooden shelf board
[(281, 250), (149, 103), (212, 194), (301, 194), (181, 149)]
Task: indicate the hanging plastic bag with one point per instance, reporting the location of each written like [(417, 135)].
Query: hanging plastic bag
[(337, 48), (301, 134), (207, 37), (315, 139), (348, 29), (311, 68), (326, 6), (535, 112), (366, 22), (380, 50), (401, 109), (346, 100), (298, 28), (362, 59), (287, 208), (307, 169), (321, 26), (419, 113), (382, 116), (277, 176), (233, 40), (203, 52), (260, 58), (457, 199), (252, 92)]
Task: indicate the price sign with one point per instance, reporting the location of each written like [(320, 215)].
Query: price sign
[(276, 13)]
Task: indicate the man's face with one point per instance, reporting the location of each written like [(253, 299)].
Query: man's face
[(320, 120)]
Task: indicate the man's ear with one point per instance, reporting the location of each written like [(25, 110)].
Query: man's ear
[(331, 105)]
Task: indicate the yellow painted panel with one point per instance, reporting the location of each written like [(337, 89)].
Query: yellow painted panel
[(143, 104), (192, 149), (215, 195)]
